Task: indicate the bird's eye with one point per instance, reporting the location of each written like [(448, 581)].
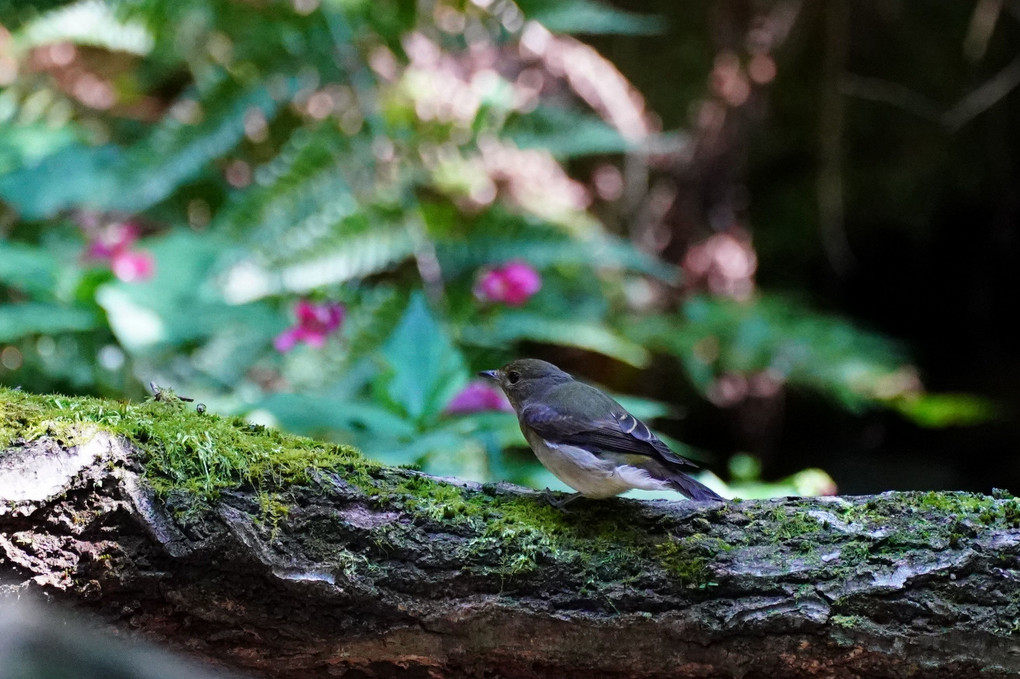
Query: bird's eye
[(513, 377)]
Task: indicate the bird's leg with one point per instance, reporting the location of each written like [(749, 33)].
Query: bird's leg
[(558, 503)]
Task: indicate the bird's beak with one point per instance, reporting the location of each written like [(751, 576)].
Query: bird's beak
[(491, 374)]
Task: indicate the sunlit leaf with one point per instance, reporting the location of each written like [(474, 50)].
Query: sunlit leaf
[(88, 22), (946, 410), (180, 304)]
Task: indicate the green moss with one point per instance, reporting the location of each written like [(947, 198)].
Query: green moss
[(792, 522), (854, 553), (932, 516), (201, 454), (848, 621), (688, 558), (522, 534)]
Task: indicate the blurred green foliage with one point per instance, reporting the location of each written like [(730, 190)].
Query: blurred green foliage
[(376, 154)]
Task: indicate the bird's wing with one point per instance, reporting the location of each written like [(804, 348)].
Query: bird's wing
[(617, 432)]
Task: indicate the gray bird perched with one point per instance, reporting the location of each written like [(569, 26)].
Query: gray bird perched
[(587, 439)]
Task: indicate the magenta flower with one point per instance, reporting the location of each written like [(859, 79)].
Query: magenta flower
[(315, 322), (513, 284), (112, 239), (112, 243), (133, 266), (478, 397)]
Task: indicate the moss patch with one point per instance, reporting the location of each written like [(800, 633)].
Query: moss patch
[(198, 453), (196, 456), (523, 534)]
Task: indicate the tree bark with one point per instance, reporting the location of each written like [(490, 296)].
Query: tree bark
[(399, 574)]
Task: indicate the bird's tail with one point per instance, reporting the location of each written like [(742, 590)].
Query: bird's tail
[(694, 489)]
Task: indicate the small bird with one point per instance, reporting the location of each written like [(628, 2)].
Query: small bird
[(587, 439)]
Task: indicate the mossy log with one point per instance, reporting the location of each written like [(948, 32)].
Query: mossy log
[(360, 570)]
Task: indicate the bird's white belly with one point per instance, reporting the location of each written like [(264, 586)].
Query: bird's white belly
[(589, 474)]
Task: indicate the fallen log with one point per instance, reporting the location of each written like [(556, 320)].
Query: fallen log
[(312, 562)]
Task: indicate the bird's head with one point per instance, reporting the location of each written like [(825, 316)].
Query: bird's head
[(525, 377)]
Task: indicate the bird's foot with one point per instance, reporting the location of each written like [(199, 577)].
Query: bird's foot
[(559, 503)]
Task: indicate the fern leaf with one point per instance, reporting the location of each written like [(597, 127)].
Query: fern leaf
[(92, 23), (542, 247), (346, 256), (177, 152), (519, 326), (305, 179), (108, 179), (372, 320)]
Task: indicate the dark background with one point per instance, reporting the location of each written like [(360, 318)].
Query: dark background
[(930, 212)]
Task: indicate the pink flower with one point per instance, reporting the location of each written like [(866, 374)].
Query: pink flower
[(111, 240), (133, 266), (315, 322), (478, 397), (513, 284), (112, 243)]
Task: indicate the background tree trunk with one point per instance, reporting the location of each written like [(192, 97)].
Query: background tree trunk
[(423, 577)]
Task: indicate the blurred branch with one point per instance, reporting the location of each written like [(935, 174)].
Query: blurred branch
[(831, 131), (973, 104), (982, 25), (984, 97)]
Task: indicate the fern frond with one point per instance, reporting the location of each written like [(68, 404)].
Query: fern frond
[(372, 320), (347, 254), (543, 247), (805, 348), (350, 257), (90, 22), (303, 178), (513, 327), (106, 178), (177, 152)]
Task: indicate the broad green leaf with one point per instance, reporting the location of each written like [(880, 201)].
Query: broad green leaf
[(314, 414), (946, 410), (180, 303), (35, 318), (426, 370), (76, 176), (25, 144), (28, 268)]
